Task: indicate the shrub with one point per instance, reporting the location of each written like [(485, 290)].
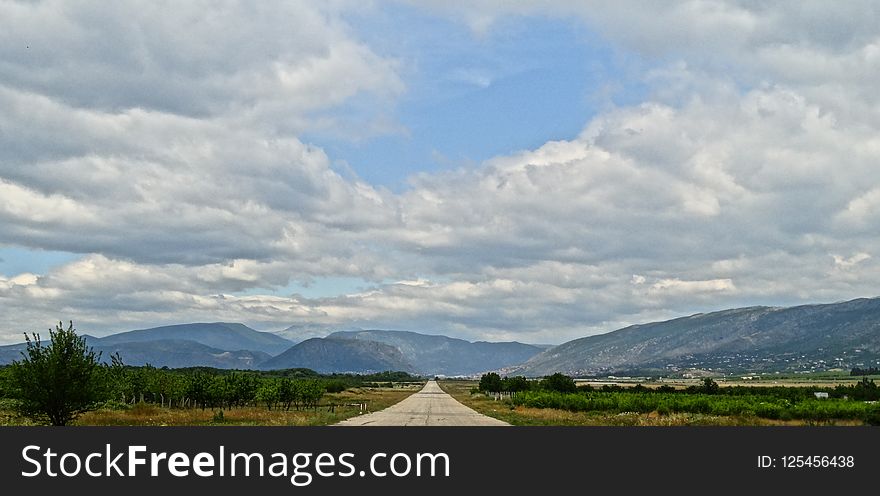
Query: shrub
[(55, 383)]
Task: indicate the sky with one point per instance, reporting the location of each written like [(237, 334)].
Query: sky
[(535, 171)]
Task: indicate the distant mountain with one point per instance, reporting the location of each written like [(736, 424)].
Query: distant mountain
[(298, 333), (768, 339), (11, 352), (177, 353), (172, 353), (221, 335), (328, 355), (433, 354), (218, 344)]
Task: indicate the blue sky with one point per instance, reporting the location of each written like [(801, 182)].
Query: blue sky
[(472, 96), (535, 171), (15, 260)]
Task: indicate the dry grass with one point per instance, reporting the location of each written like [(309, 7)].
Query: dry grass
[(504, 410), (376, 398), (9, 417)]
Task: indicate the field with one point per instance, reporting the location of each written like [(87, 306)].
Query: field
[(333, 407), (779, 402)]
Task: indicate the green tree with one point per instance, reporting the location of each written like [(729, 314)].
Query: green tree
[(515, 384), (5, 386), (269, 393), (491, 382), (312, 391), (288, 393), (710, 386), (197, 386), (55, 383), (560, 383)]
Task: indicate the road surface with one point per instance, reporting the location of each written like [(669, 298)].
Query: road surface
[(430, 406)]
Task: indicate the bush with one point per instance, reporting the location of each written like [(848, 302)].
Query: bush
[(335, 386), (55, 383)]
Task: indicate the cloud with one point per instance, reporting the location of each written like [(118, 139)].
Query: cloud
[(848, 263), (272, 63), (690, 287), (172, 161)]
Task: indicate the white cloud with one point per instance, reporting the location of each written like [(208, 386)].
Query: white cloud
[(169, 159), (678, 286), (848, 263)]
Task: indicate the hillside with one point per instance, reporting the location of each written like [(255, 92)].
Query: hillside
[(222, 335), (327, 355), (434, 354), (161, 353), (177, 353), (802, 338)]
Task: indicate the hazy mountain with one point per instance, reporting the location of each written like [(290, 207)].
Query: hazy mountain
[(300, 332), (328, 355), (802, 338), (433, 354), (176, 353), (222, 335), (11, 352), (161, 353)]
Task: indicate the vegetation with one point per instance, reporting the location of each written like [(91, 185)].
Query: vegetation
[(55, 383), (559, 383), (333, 408), (493, 383), (854, 402), (862, 372)]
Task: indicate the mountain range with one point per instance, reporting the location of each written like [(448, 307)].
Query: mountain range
[(434, 354), (328, 355), (221, 335), (753, 339), (741, 340), (236, 346), (217, 344)]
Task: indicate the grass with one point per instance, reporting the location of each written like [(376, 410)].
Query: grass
[(521, 415), (9, 417), (334, 408)]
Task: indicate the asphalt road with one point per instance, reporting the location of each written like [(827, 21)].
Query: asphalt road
[(430, 406)]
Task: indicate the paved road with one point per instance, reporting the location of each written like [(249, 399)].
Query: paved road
[(430, 406)]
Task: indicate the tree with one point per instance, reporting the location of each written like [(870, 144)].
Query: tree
[(710, 386), (515, 384), (5, 387), (56, 383), (490, 382), (312, 391), (560, 383), (269, 393)]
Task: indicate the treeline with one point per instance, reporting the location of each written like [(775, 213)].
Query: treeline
[(868, 371), (846, 402), (205, 387), (755, 405), (864, 390), (494, 383)]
